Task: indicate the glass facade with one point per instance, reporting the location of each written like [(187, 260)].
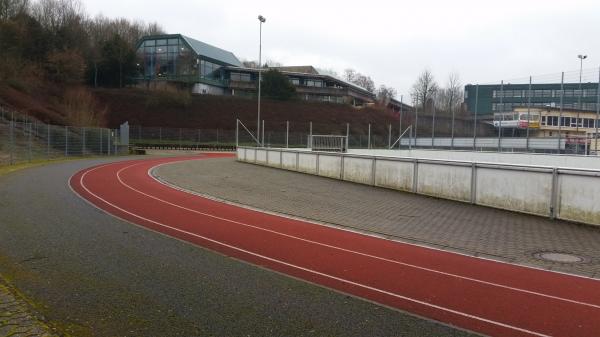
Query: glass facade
[(502, 98), (164, 58), (171, 58)]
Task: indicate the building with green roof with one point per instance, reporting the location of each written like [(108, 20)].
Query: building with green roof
[(207, 69)]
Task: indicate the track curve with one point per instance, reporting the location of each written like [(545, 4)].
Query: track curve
[(479, 295)]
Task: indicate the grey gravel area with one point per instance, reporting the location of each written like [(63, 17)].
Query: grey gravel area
[(446, 224), (90, 274)]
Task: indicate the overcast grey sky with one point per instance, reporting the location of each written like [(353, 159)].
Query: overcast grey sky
[(392, 41)]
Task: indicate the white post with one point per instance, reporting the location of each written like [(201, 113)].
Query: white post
[(390, 137)]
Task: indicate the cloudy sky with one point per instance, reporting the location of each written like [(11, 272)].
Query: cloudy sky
[(392, 41)]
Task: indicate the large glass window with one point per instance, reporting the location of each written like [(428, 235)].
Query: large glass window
[(165, 58), (210, 70), (313, 83), (239, 77)]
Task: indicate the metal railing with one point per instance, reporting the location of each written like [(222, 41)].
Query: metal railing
[(23, 139)]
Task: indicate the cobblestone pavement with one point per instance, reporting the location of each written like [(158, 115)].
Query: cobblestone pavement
[(16, 318), (446, 224)]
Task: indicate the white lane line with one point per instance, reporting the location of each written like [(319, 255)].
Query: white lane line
[(458, 313), (352, 251), (395, 239)]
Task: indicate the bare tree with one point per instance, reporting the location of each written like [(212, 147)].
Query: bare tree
[(385, 94), (11, 8), (366, 82), (272, 63), (424, 90), (454, 92), (349, 75), (56, 14)]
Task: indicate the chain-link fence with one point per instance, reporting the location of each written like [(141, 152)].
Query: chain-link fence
[(24, 139), (181, 138), (554, 113)]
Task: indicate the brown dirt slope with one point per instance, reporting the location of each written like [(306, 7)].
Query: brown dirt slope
[(175, 109)]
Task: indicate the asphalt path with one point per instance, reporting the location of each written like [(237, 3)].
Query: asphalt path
[(91, 274)]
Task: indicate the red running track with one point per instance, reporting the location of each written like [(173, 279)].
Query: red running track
[(488, 297)]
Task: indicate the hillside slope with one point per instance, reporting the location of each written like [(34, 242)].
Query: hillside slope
[(177, 109)]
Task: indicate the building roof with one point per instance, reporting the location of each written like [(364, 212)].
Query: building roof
[(200, 48), (212, 52), (299, 69), (317, 75)]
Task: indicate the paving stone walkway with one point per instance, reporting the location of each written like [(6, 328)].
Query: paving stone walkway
[(17, 318), (446, 224)]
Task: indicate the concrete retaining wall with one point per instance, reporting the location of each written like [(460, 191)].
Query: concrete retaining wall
[(557, 192)]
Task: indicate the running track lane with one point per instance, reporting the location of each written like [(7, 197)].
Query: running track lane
[(489, 297)]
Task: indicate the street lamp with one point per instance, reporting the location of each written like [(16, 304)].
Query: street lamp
[(581, 58), (261, 20)]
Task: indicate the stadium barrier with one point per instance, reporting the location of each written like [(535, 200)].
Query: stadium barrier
[(557, 192)]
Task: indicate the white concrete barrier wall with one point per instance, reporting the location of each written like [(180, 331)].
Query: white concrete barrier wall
[(307, 162), (261, 156), (274, 158), (358, 170), (288, 160), (394, 174), (330, 166), (565, 193), (579, 200), (528, 192), (250, 155), (444, 181)]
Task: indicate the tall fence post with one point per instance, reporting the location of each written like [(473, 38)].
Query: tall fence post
[(433, 124), (29, 143), (108, 142), (452, 128), (310, 130), (475, 117), (66, 141), (416, 120), (400, 124), (237, 131), (560, 117), (347, 135), (179, 138), (12, 137), (528, 115), (287, 134), (48, 141), (369, 137), (263, 133), (501, 116), (83, 142), (410, 132), (390, 137), (597, 114)]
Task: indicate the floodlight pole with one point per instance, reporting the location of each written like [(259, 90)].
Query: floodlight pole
[(261, 20), (581, 58)]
